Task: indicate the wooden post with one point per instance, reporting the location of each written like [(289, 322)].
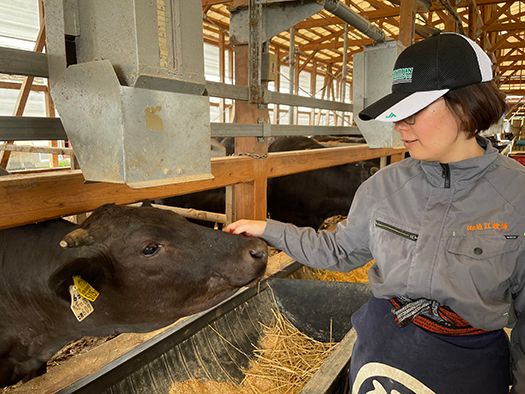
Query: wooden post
[(397, 157), (451, 24), (249, 198), (407, 22)]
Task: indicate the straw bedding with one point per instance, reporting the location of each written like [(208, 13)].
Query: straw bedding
[(284, 362)]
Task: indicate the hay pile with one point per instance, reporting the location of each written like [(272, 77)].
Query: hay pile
[(284, 362), (359, 275)]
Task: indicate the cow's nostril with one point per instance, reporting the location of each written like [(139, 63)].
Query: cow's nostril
[(257, 254)]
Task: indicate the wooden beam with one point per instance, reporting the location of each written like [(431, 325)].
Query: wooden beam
[(18, 86), (516, 92), (31, 198), (493, 19), (207, 4), (338, 44), (506, 26), (313, 44), (514, 67)]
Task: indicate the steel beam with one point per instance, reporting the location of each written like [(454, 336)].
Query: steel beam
[(24, 128), (20, 62), (35, 129)]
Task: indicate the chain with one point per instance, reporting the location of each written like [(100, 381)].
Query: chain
[(252, 155)]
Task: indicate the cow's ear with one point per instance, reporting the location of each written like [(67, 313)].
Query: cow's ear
[(92, 270)]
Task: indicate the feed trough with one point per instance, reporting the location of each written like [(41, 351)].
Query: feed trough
[(217, 345)]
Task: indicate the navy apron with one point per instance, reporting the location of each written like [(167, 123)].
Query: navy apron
[(391, 359)]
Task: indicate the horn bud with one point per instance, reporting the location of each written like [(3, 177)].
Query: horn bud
[(76, 238)]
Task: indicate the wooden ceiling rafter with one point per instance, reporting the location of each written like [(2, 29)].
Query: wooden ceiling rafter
[(497, 25)]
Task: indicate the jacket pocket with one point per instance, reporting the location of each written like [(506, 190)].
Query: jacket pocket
[(393, 244), (396, 230), (482, 248), (482, 265)]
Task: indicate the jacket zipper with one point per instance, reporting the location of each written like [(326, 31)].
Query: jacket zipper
[(446, 175), (396, 230)]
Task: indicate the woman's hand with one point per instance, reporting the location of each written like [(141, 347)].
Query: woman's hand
[(254, 228)]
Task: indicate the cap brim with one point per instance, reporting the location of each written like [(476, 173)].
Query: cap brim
[(398, 106)]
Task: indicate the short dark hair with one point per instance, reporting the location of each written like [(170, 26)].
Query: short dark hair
[(476, 106)]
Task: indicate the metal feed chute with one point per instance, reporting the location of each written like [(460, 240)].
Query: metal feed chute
[(134, 104), (372, 79)]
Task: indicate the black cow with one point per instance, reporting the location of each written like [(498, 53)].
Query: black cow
[(308, 198), (304, 199), (150, 267)]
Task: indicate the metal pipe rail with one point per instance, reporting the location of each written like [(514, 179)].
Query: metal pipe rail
[(28, 63), (20, 128), (363, 25)]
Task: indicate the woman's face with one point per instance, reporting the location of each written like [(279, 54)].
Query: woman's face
[(435, 135)]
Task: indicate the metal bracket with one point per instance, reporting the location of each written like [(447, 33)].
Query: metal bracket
[(266, 129), (276, 16), (254, 49)]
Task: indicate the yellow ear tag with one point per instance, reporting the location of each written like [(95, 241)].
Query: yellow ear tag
[(85, 289)]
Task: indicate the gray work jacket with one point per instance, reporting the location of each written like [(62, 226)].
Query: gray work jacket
[(452, 233)]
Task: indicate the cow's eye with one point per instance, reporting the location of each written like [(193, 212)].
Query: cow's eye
[(151, 249)]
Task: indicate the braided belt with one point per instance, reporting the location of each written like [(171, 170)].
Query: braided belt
[(431, 316)]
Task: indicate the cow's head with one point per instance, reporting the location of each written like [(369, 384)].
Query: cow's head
[(152, 266)]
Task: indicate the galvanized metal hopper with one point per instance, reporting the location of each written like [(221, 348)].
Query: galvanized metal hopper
[(133, 103)]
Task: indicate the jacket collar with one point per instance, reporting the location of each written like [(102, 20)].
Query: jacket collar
[(465, 172)]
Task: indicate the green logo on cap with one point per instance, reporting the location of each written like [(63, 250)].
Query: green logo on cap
[(402, 75), (391, 115)]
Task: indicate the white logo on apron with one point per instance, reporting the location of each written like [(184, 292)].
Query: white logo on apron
[(371, 370)]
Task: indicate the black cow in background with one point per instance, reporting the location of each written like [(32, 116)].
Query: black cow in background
[(308, 198), (304, 199)]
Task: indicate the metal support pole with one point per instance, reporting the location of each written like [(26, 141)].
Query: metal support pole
[(55, 44), (254, 49)]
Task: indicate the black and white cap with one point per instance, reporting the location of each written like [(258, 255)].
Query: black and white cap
[(427, 70)]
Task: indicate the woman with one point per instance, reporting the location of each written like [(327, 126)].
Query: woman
[(446, 228)]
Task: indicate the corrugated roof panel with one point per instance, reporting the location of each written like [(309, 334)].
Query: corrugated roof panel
[(19, 23)]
